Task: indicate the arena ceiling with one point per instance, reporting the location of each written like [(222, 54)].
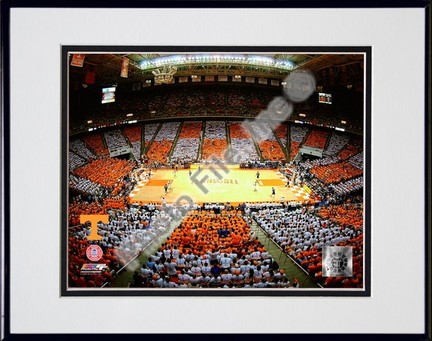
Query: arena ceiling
[(278, 66)]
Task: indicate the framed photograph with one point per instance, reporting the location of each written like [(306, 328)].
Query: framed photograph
[(207, 158), (231, 179)]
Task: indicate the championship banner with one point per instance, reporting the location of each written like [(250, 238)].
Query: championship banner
[(78, 60), (223, 78), (250, 79), (209, 78), (183, 79), (274, 82), (262, 81), (124, 68), (196, 79)]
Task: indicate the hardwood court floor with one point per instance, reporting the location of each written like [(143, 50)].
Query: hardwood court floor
[(236, 186)]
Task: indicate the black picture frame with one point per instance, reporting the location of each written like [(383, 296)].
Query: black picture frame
[(7, 6)]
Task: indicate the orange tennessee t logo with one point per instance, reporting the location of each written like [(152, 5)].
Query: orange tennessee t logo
[(94, 219)]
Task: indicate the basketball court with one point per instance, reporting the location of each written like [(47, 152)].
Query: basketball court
[(217, 185)]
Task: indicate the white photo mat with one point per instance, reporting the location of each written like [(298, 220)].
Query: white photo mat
[(397, 301)]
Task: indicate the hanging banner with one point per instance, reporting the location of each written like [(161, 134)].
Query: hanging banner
[(90, 76), (78, 60), (124, 68)]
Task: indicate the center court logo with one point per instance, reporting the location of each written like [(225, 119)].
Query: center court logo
[(337, 261)]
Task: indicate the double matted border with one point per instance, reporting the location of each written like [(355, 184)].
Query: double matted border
[(27, 314), (365, 291)]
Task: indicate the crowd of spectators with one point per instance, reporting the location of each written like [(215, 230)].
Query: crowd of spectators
[(136, 150), (336, 143), (224, 101), (96, 143), (237, 99), (348, 151), (105, 171), (308, 164), (216, 99), (212, 250), (266, 140), (149, 132), (317, 139), (75, 161), (115, 139), (297, 135), (128, 233), (259, 99), (357, 160), (214, 148), (243, 150), (237, 130), (168, 131), (302, 233), (215, 140), (163, 142), (282, 133), (294, 149), (243, 147), (84, 186), (156, 103), (336, 172), (196, 100), (81, 149), (299, 230), (133, 133), (175, 101), (78, 206), (158, 152), (261, 131), (271, 150), (347, 215), (346, 187), (186, 148)]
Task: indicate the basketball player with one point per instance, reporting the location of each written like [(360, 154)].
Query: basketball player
[(257, 175), (273, 192)]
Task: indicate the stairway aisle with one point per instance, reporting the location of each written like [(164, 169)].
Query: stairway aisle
[(291, 269)]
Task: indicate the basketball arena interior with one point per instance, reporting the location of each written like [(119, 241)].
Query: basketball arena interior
[(217, 171)]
